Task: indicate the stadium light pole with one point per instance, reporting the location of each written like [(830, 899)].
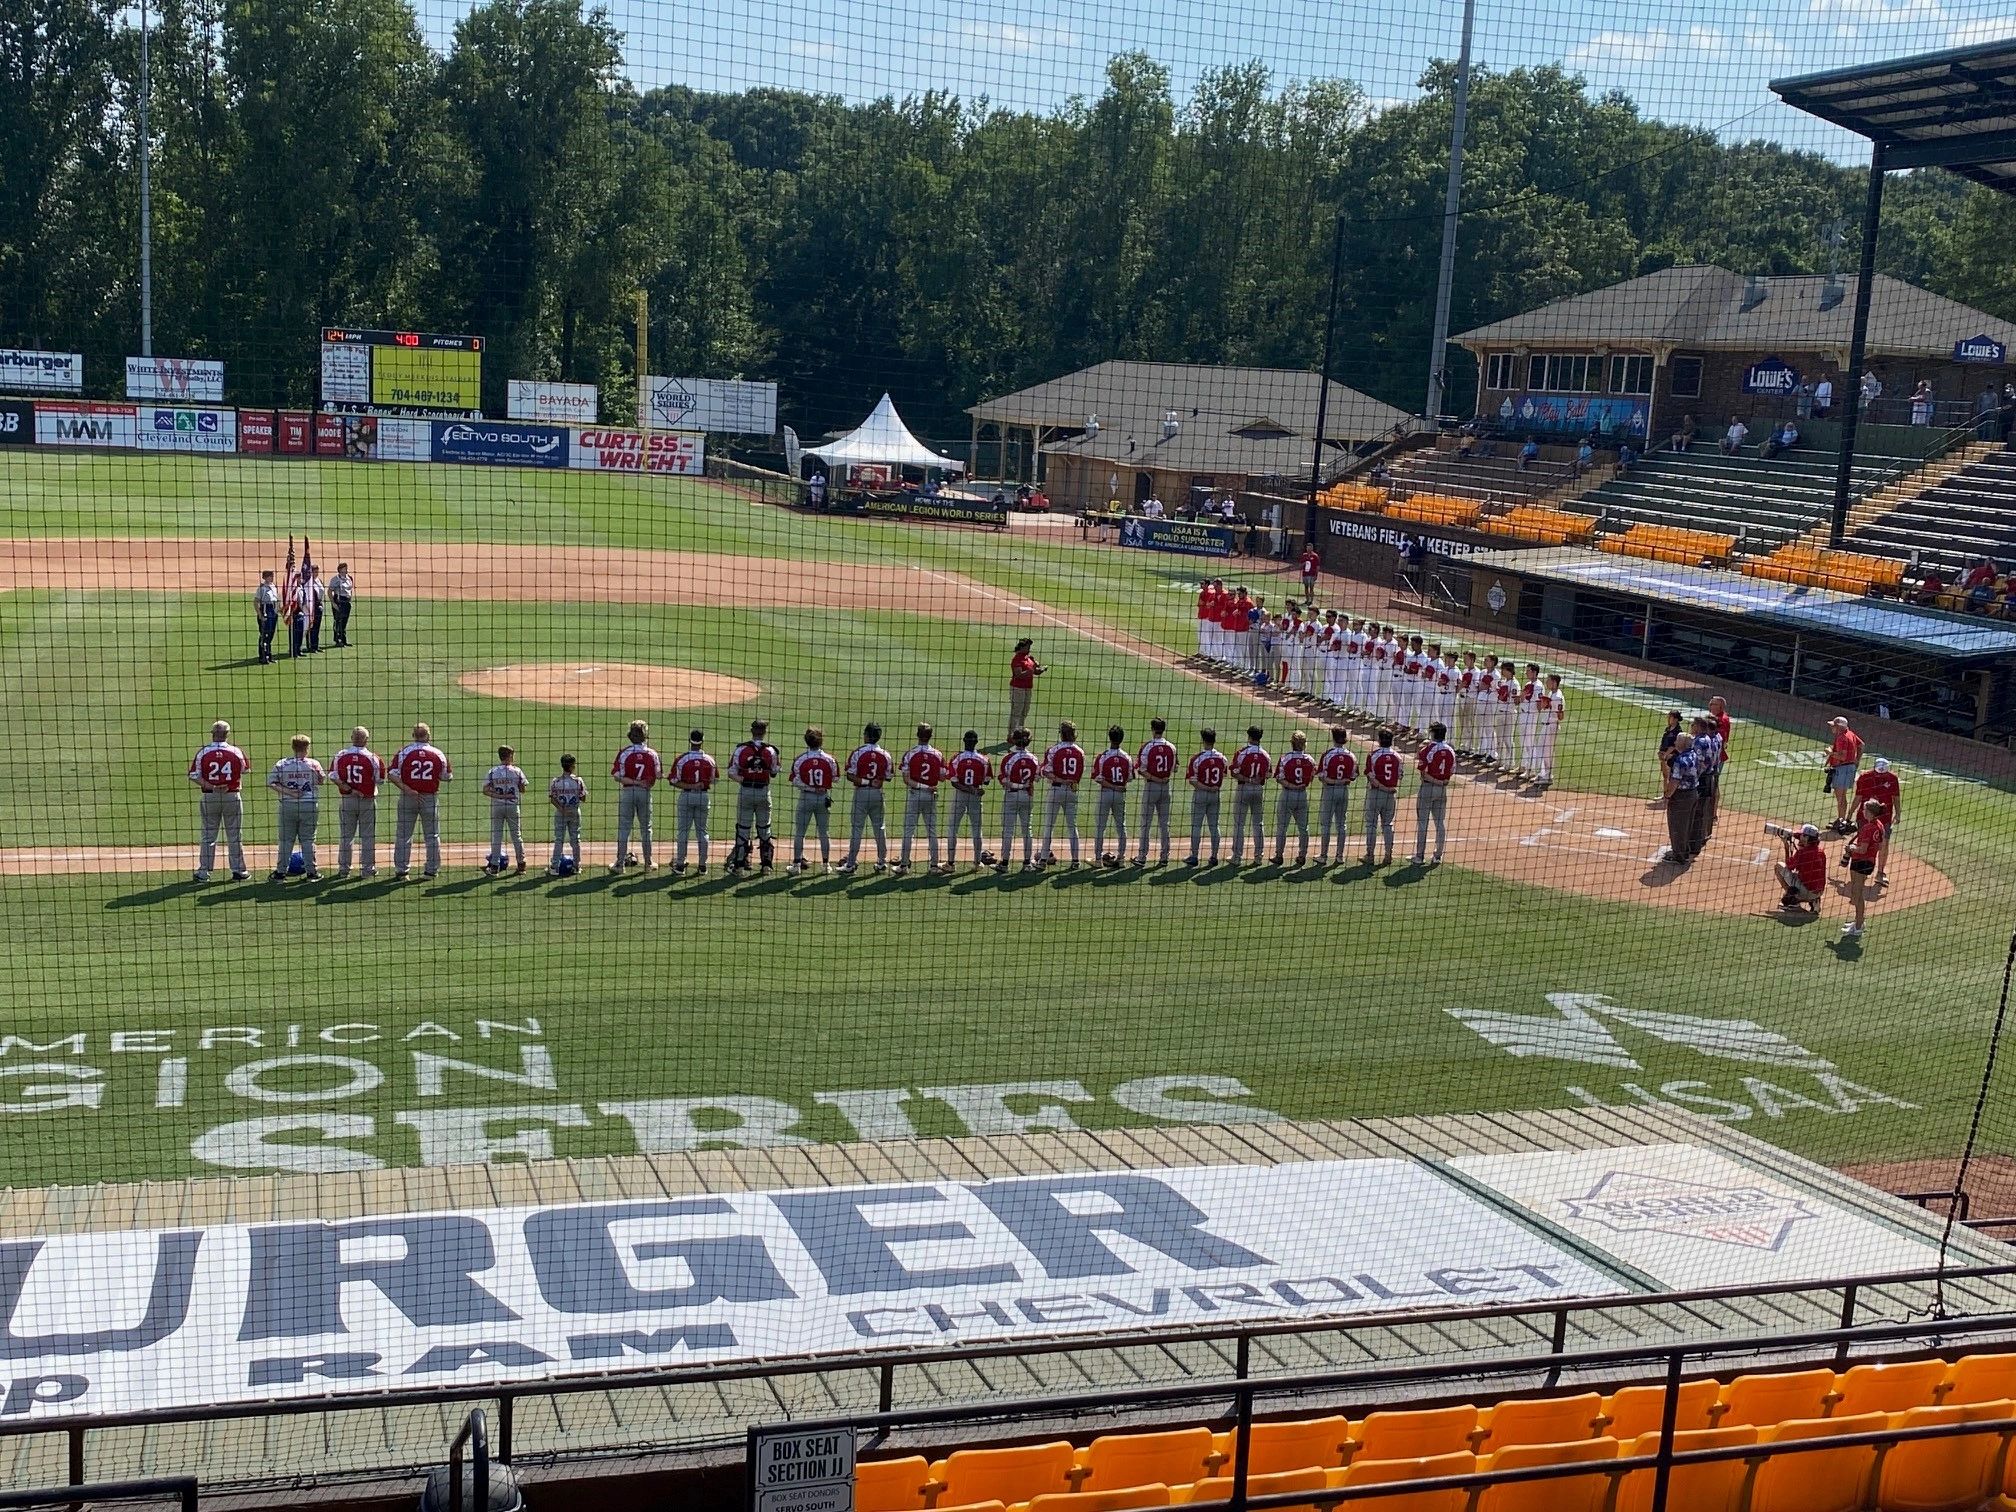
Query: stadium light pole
[(146, 205), (1452, 199), (1323, 382)]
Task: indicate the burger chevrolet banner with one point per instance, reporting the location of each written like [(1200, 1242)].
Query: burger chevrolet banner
[(127, 1322)]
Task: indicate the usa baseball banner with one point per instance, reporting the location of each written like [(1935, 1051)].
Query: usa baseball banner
[(672, 453), (120, 1322), (23, 371), (175, 378), (1187, 537)]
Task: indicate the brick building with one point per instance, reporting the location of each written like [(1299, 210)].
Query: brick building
[(1634, 358)]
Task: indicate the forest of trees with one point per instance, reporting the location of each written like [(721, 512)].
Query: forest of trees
[(319, 163)]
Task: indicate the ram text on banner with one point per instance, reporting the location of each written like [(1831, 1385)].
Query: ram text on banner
[(133, 1321), (561, 403), (175, 378), (67, 423), (180, 429), (673, 453), (508, 442), (23, 371), (714, 404), (1187, 537)]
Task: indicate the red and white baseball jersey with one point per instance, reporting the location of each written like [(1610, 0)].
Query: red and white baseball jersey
[(1466, 680), (1297, 769), (296, 777), (1506, 692), (1114, 768), (1528, 692), (695, 770), (1207, 604), (814, 772), (969, 771), (1436, 761), (504, 782), (1412, 663), (1019, 770), (1337, 766), (1554, 708), (218, 767), (1378, 651), (1445, 677), (357, 770), (1383, 769), (924, 765), (1252, 764), (1156, 761), (636, 765), (754, 762), (1207, 769), (421, 768), (1064, 763), (870, 765)]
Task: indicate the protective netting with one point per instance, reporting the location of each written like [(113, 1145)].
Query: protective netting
[(503, 443)]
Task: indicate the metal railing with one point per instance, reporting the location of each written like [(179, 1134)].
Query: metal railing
[(182, 1487), (476, 1434)]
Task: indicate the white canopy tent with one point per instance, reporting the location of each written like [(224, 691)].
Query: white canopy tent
[(882, 439)]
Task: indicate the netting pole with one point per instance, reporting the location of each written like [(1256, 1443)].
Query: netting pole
[(146, 202), (1858, 343), (1953, 1208), (1323, 386), (1452, 200)]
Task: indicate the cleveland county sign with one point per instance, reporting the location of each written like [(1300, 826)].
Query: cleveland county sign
[(1982, 348), (1771, 375)]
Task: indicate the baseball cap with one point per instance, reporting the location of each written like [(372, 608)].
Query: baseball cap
[(1810, 831), (1882, 763), (1839, 722)]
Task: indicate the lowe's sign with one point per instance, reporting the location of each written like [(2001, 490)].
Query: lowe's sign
[(1980, 349), (1773, 375)]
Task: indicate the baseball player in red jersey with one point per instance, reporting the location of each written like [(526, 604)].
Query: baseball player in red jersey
[(1019, 771), (1063, 768), (923, 768), (1436, 764), (694, 774), (1880, 784), (967, 773), (1156, 762), (636, 770), (1382, 795), (1112, 769), (1251, 767), (357, 771), (1336, 770), (218, 770), (1293, 774), (1207, 620), (754, 765), (869, 766), (418, 770), (814, 774), (1206, 775)]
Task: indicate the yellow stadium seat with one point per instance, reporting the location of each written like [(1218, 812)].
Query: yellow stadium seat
[(1570, 1493), (1541, 1420), (1009, 1474), (1413, 1435), (1175, 1458), (893, 1485), (1889, 1387), (1717, 1487), (1761, 1400), (1387, 1472), (1943, 1475), (987, 1506), (1828, 1480), (1219, 1487), (1119, 1499), (1981, 1378), (1633, 1410), (1275, 1447)]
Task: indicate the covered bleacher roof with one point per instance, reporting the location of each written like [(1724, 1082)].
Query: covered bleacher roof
[(1954, 109)]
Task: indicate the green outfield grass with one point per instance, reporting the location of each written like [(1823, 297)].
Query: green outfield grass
[(1317, 994)]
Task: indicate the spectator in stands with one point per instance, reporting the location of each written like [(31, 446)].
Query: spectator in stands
[(1585, 457), (2005, 606), (1735, 436), (1529, 453), (1151, 508), (1823, 398), (1802, 400), (1466, 442), (1782, 439), (1987, 407), (1979, 585), (1803, 874), (1872, 390), (1921, 402), (1227, 510), (1930, 589), (1627, 456), (1684, 434), (1380, 475)]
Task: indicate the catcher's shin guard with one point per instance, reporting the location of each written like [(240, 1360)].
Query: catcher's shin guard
[(738, 857), (768, 850)]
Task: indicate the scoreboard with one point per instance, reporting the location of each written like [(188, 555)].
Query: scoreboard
[(401, 373)]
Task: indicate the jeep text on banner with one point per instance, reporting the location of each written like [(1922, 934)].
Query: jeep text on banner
[(561, 403), (161, 428), (1189, 537), (174, 378), (500, 441), (673, 453), (23, 371), (207, 1316), (64, 423)]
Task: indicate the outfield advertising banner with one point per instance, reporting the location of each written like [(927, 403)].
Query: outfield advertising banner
[(496, 441), (17, 422), (256, 430), (561, 403), (673, 453), (175, 378), (67, 423), (23, 371), (944, 507), (713, 404), (405, 440), (208, 1316), (1187, 537), (180, 429)]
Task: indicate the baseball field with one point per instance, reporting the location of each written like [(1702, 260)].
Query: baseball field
[(154, 1027)]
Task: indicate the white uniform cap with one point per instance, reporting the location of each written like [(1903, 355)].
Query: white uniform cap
[(1882, 764)]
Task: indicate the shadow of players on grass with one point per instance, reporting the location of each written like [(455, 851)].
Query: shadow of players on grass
[(361, 891), (1846, 947), (233, 666), (440, 889), (650, 882), (147, 897), (997, 882), (1407, 875), (1357, 871), (575, 887)]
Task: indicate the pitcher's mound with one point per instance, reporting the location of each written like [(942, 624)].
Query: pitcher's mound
[(608, 685)]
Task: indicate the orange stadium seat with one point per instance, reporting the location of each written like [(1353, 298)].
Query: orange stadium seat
[(1943, 1475), (1119, 1499), (1717, 1487), (1889, 1386), (1541, 1420), (1175, 1458), (1387, 1472), (1981, 1378), (1828, 1480), (1761, 1400), (893, 1485), (1219, 1487), (1009, 1474), (1323, 1442), (1411, 1435), (1569, 1493), (1633, 1410)]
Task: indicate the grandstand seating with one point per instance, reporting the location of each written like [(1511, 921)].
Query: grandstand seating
[(1367, 498), (1761, 503), (1817, 567), (1120, 1471), (1671, 543), (1436, 509), (1541, 524), (1957, 521), (1495, 479)]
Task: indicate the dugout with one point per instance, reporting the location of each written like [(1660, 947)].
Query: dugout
[(1941, 671)]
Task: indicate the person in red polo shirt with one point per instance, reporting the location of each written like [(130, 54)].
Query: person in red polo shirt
[(1803, 874), (1207, 618), (1880, 784), (1871, 834), (1843, 758), (1023, 670)]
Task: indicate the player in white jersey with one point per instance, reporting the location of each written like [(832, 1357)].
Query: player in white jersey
[(1463, 734), (566, 793), (1485, 736), (1311, 684), (1552, 714), (1445, 679), (297, 781), (504, 785), (1528, 701)]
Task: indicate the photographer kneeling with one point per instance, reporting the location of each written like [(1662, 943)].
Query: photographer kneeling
[(1803, 874)]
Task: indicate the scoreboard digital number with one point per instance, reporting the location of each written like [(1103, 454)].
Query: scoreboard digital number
[(402, 372)]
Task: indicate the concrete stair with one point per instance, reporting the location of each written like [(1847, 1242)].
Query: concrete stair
[(1873, 506)]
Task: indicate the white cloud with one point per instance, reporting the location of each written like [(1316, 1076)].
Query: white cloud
[(820, 50), (1988, 29), (1607, 50), (1881, 12), (1009, 37)]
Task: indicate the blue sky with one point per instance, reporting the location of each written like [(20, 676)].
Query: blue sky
[(1702, 63)]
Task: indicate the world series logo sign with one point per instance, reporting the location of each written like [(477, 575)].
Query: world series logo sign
[(1626, 1202)]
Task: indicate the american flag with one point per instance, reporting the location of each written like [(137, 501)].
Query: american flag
[(294, 593)]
